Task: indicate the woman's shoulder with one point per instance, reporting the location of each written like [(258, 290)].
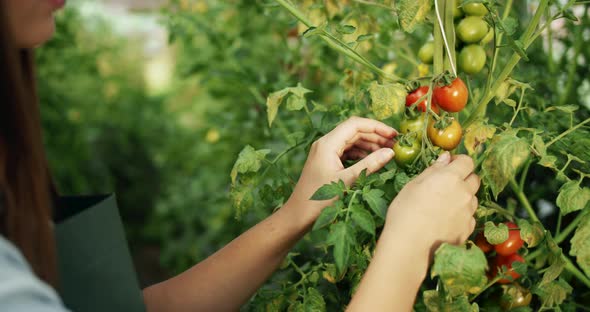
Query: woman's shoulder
[(20, 289)]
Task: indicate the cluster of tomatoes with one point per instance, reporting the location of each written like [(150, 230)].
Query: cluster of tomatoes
[(445, 133), (472, 34), (505, 255)]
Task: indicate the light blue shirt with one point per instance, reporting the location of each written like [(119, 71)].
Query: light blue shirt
[(20, 289)]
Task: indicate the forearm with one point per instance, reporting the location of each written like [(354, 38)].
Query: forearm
[(394, 276), (228, 278)]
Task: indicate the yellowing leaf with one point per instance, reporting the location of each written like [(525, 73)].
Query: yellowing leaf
[(412, 13), (461, 270), (249, 160), (502, 160), (477, 134), (581, 244), (296, 101), (387, 99), (572, 197)]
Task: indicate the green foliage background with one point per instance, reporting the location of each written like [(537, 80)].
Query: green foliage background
[(105, 133)]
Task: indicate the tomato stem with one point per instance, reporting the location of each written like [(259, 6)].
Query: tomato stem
[(490, 284), (570, 267), (523, 200), (568, 131)]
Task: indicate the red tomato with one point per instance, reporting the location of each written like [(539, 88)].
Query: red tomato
[(513, 243), (506, 261), (415, 95), (453, 97), (482, 243)]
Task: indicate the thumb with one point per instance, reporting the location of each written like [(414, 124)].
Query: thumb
[(372, 163)]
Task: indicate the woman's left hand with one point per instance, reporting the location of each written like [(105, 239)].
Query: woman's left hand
[(356, 138)]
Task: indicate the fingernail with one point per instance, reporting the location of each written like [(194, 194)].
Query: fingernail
[(387, 153), (444, 158)]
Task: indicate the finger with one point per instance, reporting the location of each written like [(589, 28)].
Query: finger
[(368, 137), (348, 129), (354, 153), (441, 162), (472, 181), (474, 204), (367, 146), (462, 165), (372, 163)]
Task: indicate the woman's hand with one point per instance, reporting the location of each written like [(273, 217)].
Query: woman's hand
[(441, 199), (353, 139)]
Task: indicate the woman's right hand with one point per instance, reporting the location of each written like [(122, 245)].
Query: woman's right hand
[(438, 205)]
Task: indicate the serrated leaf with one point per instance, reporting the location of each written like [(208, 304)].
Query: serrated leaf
[(554, 293), (461, 270), (273, 101), (531, 234), (376, 202), (249, 160), (363, 219), (436, 302), (329, 191), (477, 134), (346, 29), (505, 155), (328, 215), (314, 301), (401, 179), (387, 100), (553, 271), (412, 13), (572, 197), (295, 103), (581, 244), (495, 234), (342, 237)]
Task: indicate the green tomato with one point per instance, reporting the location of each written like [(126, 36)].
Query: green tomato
[(426, 52), (472, 29), (404, 154), (472, 59), (415, 125), (475, 9)]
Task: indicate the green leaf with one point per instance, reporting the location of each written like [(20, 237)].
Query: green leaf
[(363, 219), (364, 37), (295, 103), (461, 270), (510, 24), (412, 13), (249, 160), (342, 237), (553, 271), (346, 29), (401, 179), (554, 293), (386, 176), (387, 99), (581, 244), (570, 109), (314, 301), (546, 159), (328, 215), (274, 100), (531, 234), (495, 234), (376, 202), (436, 302), (504, 156), (329, 191), (572, 197)]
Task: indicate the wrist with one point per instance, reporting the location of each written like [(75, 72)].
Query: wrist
[(299, 217)]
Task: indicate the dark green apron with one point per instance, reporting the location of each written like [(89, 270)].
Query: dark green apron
[(96, 271)]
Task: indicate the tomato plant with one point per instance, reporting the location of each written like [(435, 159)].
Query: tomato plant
[(415, 125), (525, 125), (506, 262), (477, 9), (452, 97), (482, 243), (472, 59), (515, 296), (426, 53)]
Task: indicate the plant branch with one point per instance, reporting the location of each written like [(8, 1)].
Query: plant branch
[(566, 132), (523, 200), (570, 267)]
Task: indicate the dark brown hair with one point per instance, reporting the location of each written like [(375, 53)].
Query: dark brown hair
[(25, 195)]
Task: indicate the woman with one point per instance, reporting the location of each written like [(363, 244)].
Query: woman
[(228, 278)]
